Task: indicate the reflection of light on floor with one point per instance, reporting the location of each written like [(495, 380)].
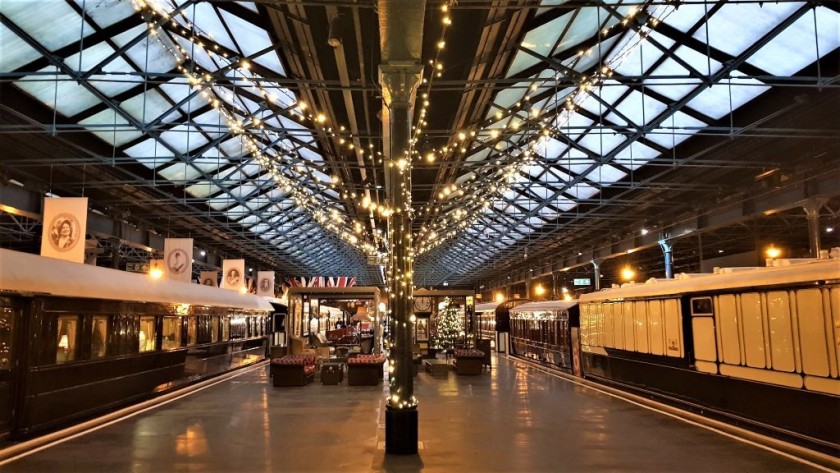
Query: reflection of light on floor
[(191, 443)]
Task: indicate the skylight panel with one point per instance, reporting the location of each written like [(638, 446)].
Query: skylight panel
[(147, 107), (796, 47), (550, 148), (643, 55), (40, 23), (150, 153), (108, 84), (576, 126), (638, 108), (111, 128), (221, 202), (586, 24), (680, 85), (243, 191), (539, 40), (211, 123), (178, 90), (106, 12), (591, 57), (635, 156), (249, 5), (206, 19), (728, 32), (564, 204), (310, 155), (581, 191), (686, 16), (147, 54), (258, 228), (16, 52), (507, 97), (233, 147), (58, 92), (605, 175), (198, 54), (272, 62), (183, 138), (237, 212), (675, 129), (725, 96), (251, 39), (203, 189), (190, 171), (602, 141), (548, 213)]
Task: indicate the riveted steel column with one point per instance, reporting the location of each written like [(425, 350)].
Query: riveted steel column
[(399, 82), (812, 210)]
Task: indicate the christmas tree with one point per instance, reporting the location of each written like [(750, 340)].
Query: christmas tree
[(448, 325)]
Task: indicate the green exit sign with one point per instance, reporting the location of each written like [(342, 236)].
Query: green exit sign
[(582, 281)]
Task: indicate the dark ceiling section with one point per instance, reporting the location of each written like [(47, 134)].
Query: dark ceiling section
[(634, 114)]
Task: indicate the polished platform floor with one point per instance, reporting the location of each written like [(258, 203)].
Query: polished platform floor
[(511, 419)]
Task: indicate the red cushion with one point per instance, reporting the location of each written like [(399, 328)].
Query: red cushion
[(470, 353)]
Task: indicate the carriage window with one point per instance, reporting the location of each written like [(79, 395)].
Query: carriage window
[(214, 329), (66, 338), (226, 329), (147, 333), (98, 337), (192, 331), (171, 333), (701, 306)]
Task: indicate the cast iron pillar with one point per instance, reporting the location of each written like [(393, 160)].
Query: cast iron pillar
[(596, 266), (669, 260), (399, 82), (812, 209)]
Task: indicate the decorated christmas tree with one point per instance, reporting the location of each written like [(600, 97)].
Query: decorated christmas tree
[(448, 325)]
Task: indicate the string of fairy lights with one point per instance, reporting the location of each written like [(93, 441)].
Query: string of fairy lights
[(476, 195), (456, 206), (245, 124)]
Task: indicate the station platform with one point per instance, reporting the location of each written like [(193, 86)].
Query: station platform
[(513, 418)]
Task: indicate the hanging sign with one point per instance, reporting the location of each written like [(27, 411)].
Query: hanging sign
[(65, 223), (265, 283), (177, 255), (233, 274), (582, 281), (209, 278)]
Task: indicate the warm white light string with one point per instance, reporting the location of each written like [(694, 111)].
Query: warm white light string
[(317, 208), (476, 195)]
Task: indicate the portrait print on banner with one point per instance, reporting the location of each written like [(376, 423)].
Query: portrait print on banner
[(210, 278), (265, 283), (65, 223), (233, 274), (177, 255)]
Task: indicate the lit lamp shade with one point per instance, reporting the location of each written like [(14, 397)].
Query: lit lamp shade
[(361, 315)]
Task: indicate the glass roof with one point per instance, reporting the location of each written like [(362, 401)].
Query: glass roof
[(661, 90)]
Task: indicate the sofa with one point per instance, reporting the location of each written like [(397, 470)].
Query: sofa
[(293, 370), (469, 361), (365, 370)]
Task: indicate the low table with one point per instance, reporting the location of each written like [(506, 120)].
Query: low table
[(437, 367), (332, 372)]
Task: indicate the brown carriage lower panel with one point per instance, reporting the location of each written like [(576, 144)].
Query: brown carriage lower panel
[(805, 413)]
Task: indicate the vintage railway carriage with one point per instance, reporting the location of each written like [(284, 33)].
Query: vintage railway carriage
[(494, 321), (76, 340), (543, 331), (757, 346)]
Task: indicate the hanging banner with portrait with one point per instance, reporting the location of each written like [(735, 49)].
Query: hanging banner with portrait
[(209, 278), (65, 223), (233, 274), (177, 253), (265, 283)]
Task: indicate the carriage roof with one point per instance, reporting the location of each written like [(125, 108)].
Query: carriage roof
[(735, 278), (543, 306), (33, 274)]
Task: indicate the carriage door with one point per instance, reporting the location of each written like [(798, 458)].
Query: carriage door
[(8, 319), (703, 329)]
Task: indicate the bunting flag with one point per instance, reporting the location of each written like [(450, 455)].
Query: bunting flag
[(233, 274), (321, 281), (209, 278), (177, 253), (65, 223), (265, 283)]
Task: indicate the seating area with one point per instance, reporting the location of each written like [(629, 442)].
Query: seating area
[(469, 361), (365, 370), (293, 370)]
